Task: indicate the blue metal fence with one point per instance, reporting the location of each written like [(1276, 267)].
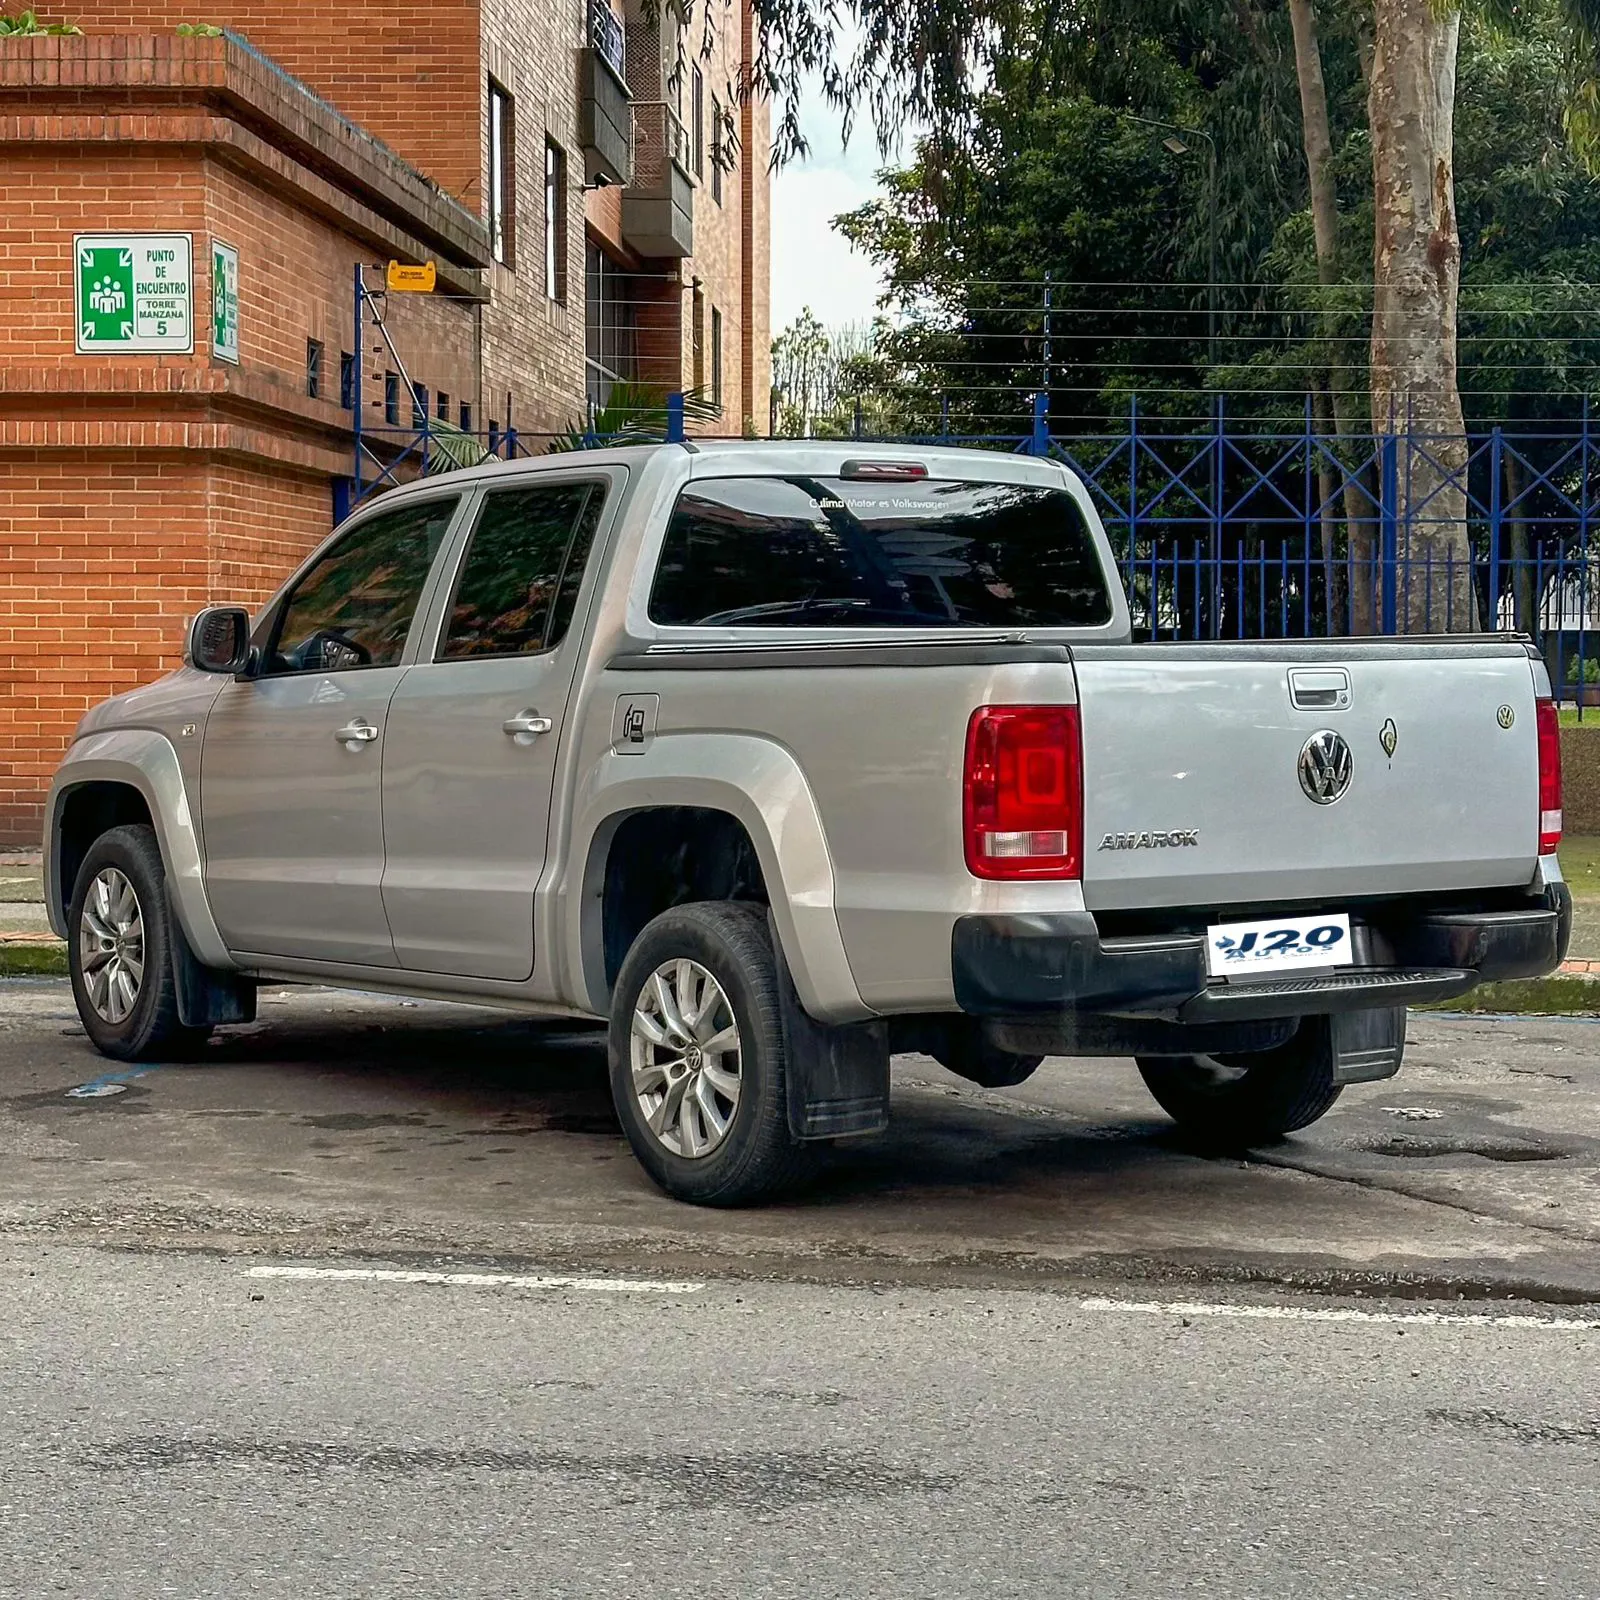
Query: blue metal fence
[(1236, 528)]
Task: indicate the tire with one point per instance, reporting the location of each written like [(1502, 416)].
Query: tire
[(684, 1082), (1236, 1101), (964, 1051), (127, 995)]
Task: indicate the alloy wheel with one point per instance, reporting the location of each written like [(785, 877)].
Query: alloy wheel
[(111, 946), (685, 1058)]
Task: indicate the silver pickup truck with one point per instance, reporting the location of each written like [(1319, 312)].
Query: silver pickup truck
[(785, 757)]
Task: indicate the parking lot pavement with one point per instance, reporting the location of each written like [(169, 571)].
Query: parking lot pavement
[(342, 1124)]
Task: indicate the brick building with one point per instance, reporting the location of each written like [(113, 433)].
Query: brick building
[(586, 180)]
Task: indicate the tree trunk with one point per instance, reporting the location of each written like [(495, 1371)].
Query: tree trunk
[(1335, 609), (1416, 273), (1341, 389)]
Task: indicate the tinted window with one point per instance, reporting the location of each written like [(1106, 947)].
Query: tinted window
[(519, 582), (354, 607), (798, 552)]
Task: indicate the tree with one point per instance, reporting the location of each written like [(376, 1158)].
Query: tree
[(931, 61), (819, 376)]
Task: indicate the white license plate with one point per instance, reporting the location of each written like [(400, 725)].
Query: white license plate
[(1281, 944)]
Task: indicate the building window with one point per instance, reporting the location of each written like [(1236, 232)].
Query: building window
[(441, 408), (555, 222), (347, 380), (314, 368), (502, 175), (697, 126), (716, 357), (611, 341), (697, 337), (391, 399), (419, 406), (716, 150), (466, 417)]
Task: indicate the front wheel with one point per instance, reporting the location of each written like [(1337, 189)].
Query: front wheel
[(120, 950), (1236, 1101), (697, 1056)]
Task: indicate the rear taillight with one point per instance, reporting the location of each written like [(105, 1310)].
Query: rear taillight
[(1024, 792), (1549, 777)]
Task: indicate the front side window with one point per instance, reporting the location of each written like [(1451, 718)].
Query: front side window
[(519, 581), (354, 607), (829, 552)]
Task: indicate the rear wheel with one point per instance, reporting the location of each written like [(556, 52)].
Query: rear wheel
[(1235, 1101), (698, 1061), (119, 950)]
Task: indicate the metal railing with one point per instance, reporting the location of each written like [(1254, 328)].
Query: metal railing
[(1239, 530), (608, 37)]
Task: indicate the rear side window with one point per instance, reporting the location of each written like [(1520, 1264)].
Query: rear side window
[(519, 582), (819, 552)]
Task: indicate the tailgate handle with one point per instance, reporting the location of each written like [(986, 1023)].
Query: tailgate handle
[(1319, 688)]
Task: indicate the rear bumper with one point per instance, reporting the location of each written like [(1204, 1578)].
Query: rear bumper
[(1013, 966)]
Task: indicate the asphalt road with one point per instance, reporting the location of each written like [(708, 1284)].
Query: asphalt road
[(373, 1301), (175, 1426)]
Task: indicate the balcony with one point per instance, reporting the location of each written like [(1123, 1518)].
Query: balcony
[(605, 108), (658, 206)]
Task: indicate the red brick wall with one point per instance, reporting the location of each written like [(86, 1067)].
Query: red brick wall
[(102, 556), (135, 489), (405, 71)]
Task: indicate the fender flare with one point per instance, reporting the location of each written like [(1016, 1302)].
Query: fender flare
[(141, 759), (758, 783)]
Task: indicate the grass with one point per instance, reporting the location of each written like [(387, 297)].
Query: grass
[(1580, 862), (33, 961), (1531, 997)]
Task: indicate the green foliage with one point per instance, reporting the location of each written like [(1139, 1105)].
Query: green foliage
[(1055, 177), (199, 30), (635, 413), (27, 25), (450, 449), (820, 376)]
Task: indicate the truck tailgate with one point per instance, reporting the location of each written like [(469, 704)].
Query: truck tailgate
[(1193, 792)]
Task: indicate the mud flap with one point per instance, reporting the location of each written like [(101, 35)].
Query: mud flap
[(1367, 1045), (205, 995), (838, 1076)]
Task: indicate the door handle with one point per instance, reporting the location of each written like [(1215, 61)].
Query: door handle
[(526, 727), (355, 734)]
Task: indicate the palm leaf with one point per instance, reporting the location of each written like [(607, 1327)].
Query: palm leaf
[(451, 449), (635, 413)]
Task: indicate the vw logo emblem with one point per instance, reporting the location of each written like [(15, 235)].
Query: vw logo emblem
[(1325, 765)]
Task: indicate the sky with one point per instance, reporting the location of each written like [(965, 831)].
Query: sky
[(811, 264)]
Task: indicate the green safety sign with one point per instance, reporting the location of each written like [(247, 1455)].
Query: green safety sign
[(135, 293), (224, 302)]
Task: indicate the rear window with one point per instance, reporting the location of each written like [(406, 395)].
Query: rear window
[(814, 552)]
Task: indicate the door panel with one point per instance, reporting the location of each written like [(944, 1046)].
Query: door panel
[(291, 792), (466, 812), (293, 815), (469, 754)]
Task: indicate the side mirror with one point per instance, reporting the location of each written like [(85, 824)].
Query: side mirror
[(219, 639)]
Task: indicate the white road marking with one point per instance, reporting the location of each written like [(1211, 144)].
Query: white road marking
[(478, 1280), (1435, 1319)]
